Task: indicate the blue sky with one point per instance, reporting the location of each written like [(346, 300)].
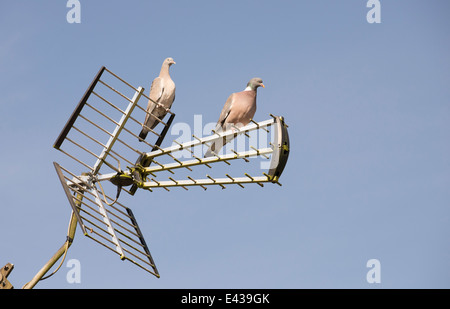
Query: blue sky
[(368, 109)]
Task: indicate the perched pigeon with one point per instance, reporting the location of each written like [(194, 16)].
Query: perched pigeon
[(162, 91), (238, 110)]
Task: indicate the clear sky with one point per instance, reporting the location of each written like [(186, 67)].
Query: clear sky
[(368, 109)]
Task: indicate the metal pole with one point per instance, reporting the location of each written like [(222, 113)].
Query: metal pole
[(70, 236)]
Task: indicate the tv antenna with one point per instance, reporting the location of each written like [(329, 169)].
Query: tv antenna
[(107, 156)]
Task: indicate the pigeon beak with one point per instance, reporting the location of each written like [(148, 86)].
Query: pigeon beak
[(262, 85)]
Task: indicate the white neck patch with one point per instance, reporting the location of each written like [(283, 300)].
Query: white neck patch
[(248, 88)]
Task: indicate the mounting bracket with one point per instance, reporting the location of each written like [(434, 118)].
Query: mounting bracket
[(4, 273)]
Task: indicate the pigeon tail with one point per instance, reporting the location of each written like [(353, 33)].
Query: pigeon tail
[(209, 153), (215, 148), (142, 135)]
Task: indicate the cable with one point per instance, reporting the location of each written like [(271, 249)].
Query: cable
[(60, 264), (104, 195)]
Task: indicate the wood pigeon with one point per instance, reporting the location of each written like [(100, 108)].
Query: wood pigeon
[(238, 110), (162, 91)]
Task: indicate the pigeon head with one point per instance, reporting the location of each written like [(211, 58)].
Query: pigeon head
[(169, 61), (254, 83)]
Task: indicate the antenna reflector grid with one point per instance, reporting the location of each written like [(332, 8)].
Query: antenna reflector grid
[(113, 226)]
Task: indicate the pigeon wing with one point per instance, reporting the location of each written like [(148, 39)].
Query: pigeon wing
[(220, 126), (156, 91)]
